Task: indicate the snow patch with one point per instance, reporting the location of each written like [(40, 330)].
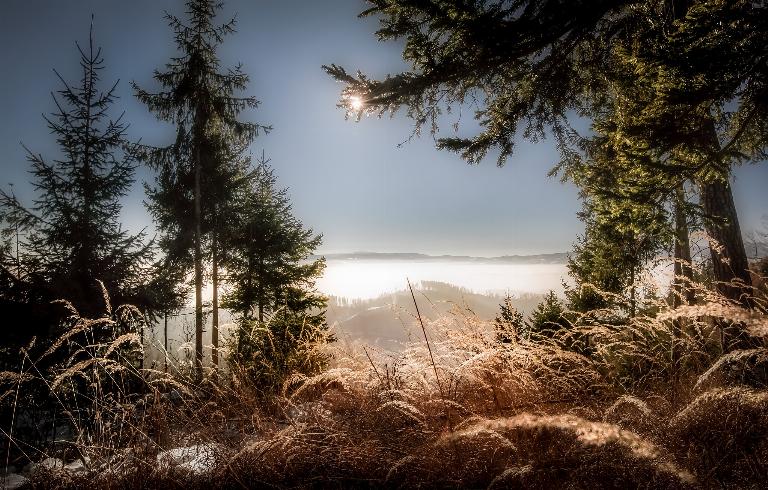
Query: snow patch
[(197, 459), (13, 481)]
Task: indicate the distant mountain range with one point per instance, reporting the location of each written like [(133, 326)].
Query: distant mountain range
[(553, 258)]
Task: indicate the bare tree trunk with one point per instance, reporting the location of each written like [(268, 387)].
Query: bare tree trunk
[(198, 272), (215, 305), (729, 258), (632, 293), (165, 340), (261, 291), (726, 246), (632, 278), (682, 292), (681, 286)]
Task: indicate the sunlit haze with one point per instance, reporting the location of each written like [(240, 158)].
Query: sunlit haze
[(363, 279), (356, 103)]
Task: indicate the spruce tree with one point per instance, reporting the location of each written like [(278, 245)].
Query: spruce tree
[(681, 90), (270, 250), (625, 211), (694, 106), (271, 276), (547, 318), (531, 63), (71, 234), (509, 324), (197, 174), (608, 259)]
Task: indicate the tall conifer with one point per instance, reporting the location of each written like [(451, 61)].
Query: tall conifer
[(272, 274), (197, 176), (270, 251), (72, 237)]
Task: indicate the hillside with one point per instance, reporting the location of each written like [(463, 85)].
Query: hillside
[(390, 320)]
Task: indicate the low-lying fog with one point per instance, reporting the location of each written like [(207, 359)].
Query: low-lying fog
[(369, 301), (366, 279)]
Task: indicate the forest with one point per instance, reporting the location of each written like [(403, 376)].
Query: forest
[(617, 383)]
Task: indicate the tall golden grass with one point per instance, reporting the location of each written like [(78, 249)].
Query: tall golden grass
[(652, 402)]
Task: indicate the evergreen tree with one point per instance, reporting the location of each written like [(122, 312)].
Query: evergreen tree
[(199, 174), (607, 262), (547, 318), (531, 63), (71, 237), (270, 250), (271, 276), (681, 92), (509, 324), (625, 210)]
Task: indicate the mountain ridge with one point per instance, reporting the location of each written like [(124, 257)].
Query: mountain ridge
[(550, 258)]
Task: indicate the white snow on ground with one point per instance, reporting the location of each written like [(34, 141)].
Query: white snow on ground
[(13, 481), (196, 459)]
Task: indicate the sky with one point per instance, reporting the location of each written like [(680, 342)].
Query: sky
[(352, 182)]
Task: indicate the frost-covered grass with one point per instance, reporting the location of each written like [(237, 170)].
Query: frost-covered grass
[(457, 410)]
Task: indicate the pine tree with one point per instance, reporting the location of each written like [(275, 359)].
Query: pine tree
[(271, 278), (547, 318), (532, 63), (509, 324), (199, 173), (72, 237)]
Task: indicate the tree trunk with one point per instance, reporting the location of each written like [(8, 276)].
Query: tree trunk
[(682, 292), (632, 279), (165, 339), (215, 305), (681, 285), (729, 258), (261, 291), (198, 273)]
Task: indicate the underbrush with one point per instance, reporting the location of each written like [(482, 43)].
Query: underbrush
[(651, 403)]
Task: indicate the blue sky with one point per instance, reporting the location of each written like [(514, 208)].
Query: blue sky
[(348, 180)]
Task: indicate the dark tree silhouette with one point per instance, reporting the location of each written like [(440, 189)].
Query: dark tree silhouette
[(198, 174), (71, 236), (270, 249), (272, 274)]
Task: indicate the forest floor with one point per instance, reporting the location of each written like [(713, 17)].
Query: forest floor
[(459, 410)]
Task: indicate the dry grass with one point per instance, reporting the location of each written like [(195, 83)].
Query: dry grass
[(459, 411), (725, 433)]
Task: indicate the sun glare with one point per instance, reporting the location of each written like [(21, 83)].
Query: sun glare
[(356, 103)]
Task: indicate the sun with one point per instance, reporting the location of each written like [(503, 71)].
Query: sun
[(356, 103)]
